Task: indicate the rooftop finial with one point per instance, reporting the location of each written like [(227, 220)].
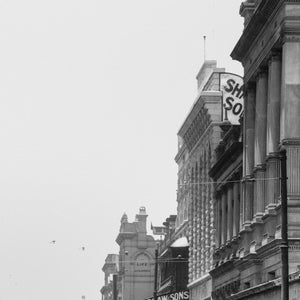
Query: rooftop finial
[(124, 218)]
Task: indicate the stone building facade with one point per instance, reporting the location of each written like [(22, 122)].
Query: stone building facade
[(227, 174), (110, 268), (249, 267), (135, 266), (172, 259), (198, 137)]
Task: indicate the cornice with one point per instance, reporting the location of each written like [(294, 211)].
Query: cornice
[(257, 22), (200, 280), (290, 142), (255, 290), (222, 269), (270, 249), (271, 26), (125, 235), (226, 160), (180, 152), (202, 99)]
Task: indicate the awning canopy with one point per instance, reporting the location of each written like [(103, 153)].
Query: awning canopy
[(180, 243)]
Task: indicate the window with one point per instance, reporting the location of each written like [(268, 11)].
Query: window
[(247, 285), (271, 275)]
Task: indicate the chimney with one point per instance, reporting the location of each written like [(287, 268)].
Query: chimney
[(141, 218)]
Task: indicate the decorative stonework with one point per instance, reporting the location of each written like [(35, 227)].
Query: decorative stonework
[(197, 128), (226, 290), (201, 217)]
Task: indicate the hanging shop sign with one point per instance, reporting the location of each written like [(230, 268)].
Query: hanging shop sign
[(232, 88), (182, 295)]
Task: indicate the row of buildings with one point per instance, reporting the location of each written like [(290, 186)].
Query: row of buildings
[(226, 240)]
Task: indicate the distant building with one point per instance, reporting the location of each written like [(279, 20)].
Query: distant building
[(110, 268), (136, 258), (172, 260)]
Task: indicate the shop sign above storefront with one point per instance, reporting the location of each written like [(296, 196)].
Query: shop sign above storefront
[(182, 295)]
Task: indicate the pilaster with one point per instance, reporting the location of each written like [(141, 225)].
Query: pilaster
[(272, 182), (224, 218), (248, 202), (219, 220), (229, 212), (260, 118), (236, 209), (259, 193), (273, 110), (249, 130)]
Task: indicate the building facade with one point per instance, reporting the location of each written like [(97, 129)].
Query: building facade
[(227, 175), (249, 267), (110, 268), (136, 258), (172, 260), (134, 265), (198, 138)]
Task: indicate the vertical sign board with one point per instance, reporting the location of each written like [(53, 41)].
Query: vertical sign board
[(232, 88)]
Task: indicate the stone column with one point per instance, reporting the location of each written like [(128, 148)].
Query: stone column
[(261, 118), (274, 96), (219, 215), (260, 142), (249, 121), (236, 209), (229, 213), (273, 182), (273, 134), (224, 217)]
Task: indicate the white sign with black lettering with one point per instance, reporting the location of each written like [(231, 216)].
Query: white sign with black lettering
[(182, 295), (232, 88)]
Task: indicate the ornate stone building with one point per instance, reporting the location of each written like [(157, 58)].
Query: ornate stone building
[(227, 173), (198, 138), (110, 268), (173, 259), (136, 258), (135, 267), (249, 267)]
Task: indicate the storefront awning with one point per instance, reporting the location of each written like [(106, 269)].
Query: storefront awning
[(180, 243)]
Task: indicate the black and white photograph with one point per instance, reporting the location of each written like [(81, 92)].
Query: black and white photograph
[(149, 150)]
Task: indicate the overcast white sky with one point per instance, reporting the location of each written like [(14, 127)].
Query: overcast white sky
[(92, 94)]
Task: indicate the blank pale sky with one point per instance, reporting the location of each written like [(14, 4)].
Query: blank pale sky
[(92, 94)]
